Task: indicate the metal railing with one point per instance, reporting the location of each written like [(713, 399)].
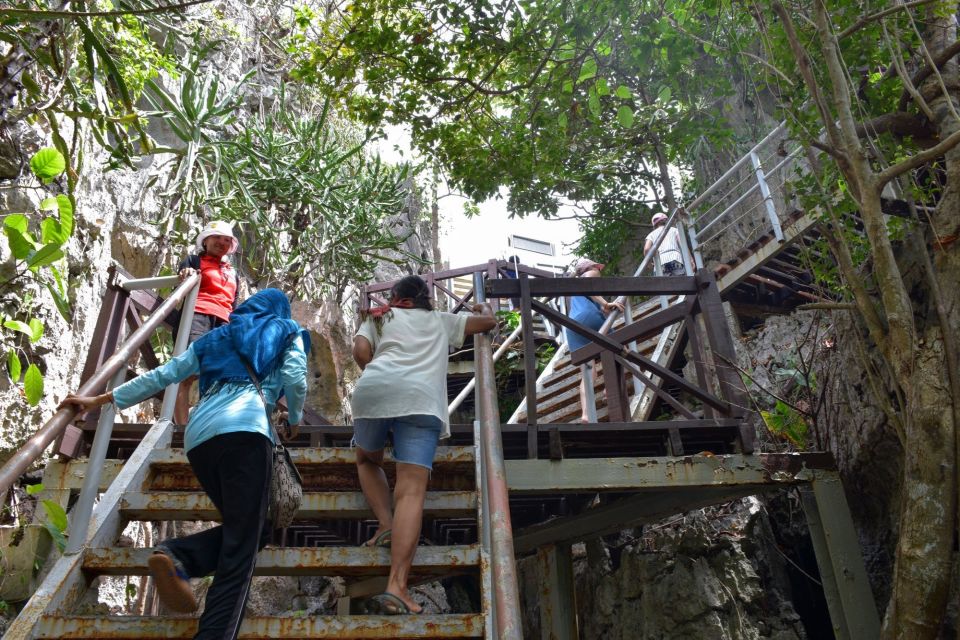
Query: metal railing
[(495, 525), (111, 369)]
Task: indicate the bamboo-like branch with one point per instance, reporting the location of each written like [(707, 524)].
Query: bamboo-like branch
[(48, 15), (828, 306), (918, 159), (865, 20)]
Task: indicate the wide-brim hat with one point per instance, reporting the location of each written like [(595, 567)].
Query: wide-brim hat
[(218, 228), (585, 264)]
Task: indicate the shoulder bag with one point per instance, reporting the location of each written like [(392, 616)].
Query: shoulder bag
[(286, 484)]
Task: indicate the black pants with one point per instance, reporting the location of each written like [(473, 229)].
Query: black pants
[(234, 469)]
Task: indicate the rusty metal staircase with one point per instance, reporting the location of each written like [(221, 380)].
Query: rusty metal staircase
[(156, 485)]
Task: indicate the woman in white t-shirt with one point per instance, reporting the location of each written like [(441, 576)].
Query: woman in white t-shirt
[(403, 351)]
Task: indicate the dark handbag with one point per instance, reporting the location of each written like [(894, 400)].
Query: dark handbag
[(286, 483)]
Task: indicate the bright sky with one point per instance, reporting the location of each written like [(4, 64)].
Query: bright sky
[(468, 241)]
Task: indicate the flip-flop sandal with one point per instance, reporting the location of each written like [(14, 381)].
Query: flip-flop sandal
[(387, 604), (382, 540)]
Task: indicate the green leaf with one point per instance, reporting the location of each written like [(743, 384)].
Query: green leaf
[(587, 70), (49, 204), (50, 252), (14, 367), (16, 325), (47, 164), (16, 221), (55, 514), (57, 231), (623, 92), (33, 385), (59, 539), (602, 88), (562, 121), (36, 329), (664, 94), (20, 245), (625, 116), (594, 103), (34, 489)]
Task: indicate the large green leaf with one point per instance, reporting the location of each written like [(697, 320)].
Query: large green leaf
[(33, 385), (57, 230), (47, 164), (50, 252), (18, 238)]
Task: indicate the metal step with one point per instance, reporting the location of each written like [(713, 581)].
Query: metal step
[(275, 627), (301, 561), (169, 505), (322, 468)]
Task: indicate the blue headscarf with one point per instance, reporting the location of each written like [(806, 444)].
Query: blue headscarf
[(259, 332)]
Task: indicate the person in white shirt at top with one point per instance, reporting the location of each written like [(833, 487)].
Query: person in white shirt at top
[(403, 350), (671, 260)]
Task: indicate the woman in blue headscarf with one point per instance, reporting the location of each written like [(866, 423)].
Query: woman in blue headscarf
[(228, 443)]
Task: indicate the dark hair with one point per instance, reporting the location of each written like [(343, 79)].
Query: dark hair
[(414, 288)]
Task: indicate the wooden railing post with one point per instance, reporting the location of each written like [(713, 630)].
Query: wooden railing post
[(529, 363), (730, 386)]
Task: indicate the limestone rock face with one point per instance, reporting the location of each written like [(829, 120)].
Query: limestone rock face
[(691, 578)]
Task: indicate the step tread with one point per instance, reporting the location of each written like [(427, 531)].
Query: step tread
[(280, 628), (307, 456), (182, 505), (300, 561)]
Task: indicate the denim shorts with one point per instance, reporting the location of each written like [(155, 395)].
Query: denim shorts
[(415, 437)]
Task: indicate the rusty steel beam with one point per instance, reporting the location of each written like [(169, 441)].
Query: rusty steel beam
[(328, 456), (758, 472), (278, 628), (315, 505), (39, 441), (301, 561)]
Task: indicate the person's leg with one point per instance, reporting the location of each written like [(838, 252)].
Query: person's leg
[(370, 436), (409, 496), (244, 471), (415, 441)]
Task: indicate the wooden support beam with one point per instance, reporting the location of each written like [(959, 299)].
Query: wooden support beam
[(549, 288), (644, 363)]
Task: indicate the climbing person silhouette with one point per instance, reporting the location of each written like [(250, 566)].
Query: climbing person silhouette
[(671, 260), (403, 350), (217, 296), (590, 311), (229, 445)]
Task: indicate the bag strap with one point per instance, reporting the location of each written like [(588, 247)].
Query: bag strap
[(273, 430)]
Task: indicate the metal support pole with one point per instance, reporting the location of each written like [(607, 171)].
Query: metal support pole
[(82, 511), (827, 578), (844, 560), (558, 605), (507, 597), (767, 198), (183, 336)]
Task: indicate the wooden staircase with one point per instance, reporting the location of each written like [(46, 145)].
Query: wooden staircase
[(165, 489)]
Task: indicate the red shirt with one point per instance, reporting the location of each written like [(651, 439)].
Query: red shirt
[(218, 288)]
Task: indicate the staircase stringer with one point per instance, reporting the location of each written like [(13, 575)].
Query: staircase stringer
[(65, 583), (641, 404), (487, 599)]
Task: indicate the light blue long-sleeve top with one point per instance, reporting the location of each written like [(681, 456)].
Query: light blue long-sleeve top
[(234, 406)]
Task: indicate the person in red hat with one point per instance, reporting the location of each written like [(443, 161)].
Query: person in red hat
[(217, 296), (590, 311)]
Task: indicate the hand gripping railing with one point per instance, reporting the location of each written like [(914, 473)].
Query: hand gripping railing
[(496, 529), (111, 370)]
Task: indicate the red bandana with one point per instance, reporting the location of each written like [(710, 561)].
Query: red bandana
[(399, 303)]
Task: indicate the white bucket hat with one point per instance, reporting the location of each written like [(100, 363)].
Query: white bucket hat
[(218, 228), (658, 218)]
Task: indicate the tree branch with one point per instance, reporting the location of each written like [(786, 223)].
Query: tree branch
[(942, 58)]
